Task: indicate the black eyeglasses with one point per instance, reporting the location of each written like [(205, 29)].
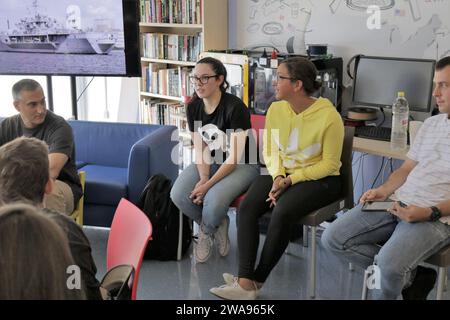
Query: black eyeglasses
[(201, 79), (278, 77)]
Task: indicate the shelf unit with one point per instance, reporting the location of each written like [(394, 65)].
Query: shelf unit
[(212, 33)]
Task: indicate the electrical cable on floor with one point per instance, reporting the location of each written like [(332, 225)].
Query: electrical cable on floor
[(378, 174), (360, 166), (359, 158), (384, 170), (362, 178)]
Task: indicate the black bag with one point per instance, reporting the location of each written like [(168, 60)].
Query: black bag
[(165, 218), (115, 285)]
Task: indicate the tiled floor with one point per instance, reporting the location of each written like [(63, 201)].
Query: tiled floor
[(186, 280)]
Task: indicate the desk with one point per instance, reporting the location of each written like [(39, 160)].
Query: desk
[(378, 148)]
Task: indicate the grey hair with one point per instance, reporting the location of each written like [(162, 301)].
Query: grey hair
[(24, 85)]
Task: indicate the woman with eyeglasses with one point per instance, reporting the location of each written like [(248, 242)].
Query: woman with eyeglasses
[(302, 150), (218, 122)]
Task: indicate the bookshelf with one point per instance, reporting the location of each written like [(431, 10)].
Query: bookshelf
[(173, 33)]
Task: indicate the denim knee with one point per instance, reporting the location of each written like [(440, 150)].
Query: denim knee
[(330, 239), (390, 270), (181, 199), (213, 214), (177, 195)]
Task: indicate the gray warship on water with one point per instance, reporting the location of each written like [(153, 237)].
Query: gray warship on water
[(41, 33)]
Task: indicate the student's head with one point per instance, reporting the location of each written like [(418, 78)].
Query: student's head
[(34, 256), (296, 76), (29, 100), (24, 171), (442, 85), (209, 77)]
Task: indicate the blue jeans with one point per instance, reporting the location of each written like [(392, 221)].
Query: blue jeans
[(217, 200), (356, 236)]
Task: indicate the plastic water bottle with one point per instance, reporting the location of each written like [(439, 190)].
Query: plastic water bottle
[(400, 116)]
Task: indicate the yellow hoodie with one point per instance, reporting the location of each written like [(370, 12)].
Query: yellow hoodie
[(305, 146)]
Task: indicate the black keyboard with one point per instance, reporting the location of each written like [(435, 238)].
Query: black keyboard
[(376, 133)]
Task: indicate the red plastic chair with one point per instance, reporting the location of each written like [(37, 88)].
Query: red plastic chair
[(258, 123), (131, 230)]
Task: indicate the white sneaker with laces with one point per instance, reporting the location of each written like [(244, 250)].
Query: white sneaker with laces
[(203, 248), (234, 292), (221, 235)]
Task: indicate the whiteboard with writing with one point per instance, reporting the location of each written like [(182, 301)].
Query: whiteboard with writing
[(409, 28)]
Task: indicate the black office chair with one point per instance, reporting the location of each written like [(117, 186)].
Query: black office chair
[(441, 259)]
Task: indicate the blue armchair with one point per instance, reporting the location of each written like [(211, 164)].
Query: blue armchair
[(118, 159)]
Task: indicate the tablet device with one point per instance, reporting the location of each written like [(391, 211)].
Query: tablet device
[(377, 205)]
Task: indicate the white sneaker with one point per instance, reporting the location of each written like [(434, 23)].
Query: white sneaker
[(221, 235), (203, 248), (234, 292), (229, 278)]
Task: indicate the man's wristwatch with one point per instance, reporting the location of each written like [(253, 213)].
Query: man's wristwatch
[(436, 214)]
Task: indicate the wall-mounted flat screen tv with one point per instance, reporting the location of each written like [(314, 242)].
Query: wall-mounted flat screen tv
[(69, 37)]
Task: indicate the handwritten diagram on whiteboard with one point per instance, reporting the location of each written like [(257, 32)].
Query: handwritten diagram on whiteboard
[(419, 28), (278, 23)]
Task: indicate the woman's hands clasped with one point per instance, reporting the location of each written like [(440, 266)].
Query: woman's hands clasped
[(280, 184)]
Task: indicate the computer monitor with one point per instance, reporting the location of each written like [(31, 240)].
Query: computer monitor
[(377, 81)]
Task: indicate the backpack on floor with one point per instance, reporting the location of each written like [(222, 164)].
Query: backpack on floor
[(172, 233)]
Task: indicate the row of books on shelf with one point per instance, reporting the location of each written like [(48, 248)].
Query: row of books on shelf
[(159, 79), (172, 46), (164, 113), (170, 113), (172, 11)]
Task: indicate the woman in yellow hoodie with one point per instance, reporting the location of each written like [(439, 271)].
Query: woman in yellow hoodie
[(302, 151)]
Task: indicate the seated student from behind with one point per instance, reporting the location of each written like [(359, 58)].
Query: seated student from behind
[(24, 177), (34, 256)]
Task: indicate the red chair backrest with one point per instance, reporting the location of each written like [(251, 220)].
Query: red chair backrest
[(258, 122), (130, 233)]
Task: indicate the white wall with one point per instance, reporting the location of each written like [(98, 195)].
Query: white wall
[(108, 99)]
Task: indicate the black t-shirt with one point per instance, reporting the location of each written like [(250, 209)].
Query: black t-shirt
[(215, 129), (80, 248), (58, 135)]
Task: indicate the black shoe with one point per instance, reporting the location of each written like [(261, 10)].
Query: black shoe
[(422, 284)]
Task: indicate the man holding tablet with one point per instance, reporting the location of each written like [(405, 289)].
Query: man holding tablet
[(416, 224)]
